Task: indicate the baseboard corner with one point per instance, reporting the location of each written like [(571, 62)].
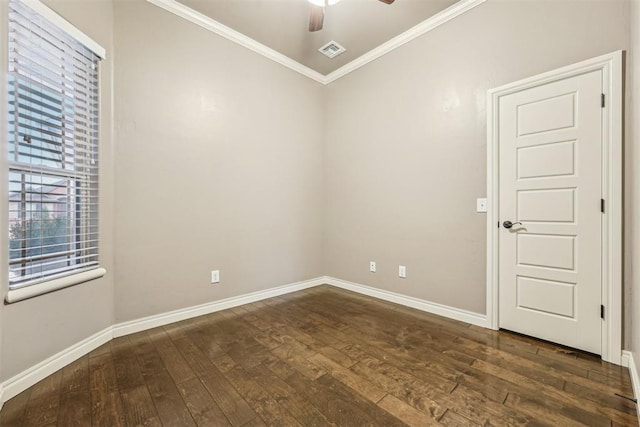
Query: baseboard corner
[(25, 379), (417, 303), (153, 321), (32, 375)]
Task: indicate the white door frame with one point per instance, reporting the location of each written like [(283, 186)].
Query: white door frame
[(611, 67)]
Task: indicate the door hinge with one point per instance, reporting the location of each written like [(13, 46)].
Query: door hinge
[(602, 100), (602, 312), (602, 205)]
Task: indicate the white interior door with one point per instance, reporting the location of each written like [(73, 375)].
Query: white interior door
[(550, 166)]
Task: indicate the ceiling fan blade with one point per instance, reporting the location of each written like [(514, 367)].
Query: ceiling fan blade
[(387, 1), (316, 18)]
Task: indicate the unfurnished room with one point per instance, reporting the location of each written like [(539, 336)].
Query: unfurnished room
[(320, 212)]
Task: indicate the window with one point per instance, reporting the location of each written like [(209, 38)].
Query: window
[(52, 94)]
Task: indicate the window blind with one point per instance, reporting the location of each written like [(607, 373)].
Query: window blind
[(52, 150)]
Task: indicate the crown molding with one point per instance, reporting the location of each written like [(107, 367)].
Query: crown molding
[(230, 34), (216, 27), (424, 27)]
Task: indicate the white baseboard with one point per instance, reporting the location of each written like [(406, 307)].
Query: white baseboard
[(25, 379), (150, 322), (419, 304), (31, 376), (634, 372)]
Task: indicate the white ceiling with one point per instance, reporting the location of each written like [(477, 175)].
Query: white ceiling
[(282, 25)]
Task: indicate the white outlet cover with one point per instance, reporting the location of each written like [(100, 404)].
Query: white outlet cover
[(372, 266), (402, 271), (481, 205), (215, 276)]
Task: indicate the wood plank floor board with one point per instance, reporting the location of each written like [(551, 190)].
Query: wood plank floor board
[(224, 363), (612, 381), (569, 401), (296, 358), (203, 408), (75, 376), (548, 412), (138, 408), (106, 405), (174, 362), (364, 387), (52, 385), (426, 364), (174, 330), (232, 404), (611, 400), (423, 396), (75, 409), (288, 398), (206, 339), (13, 411), (167, 400), (137, 404), (452, 419), (42, 411), (549, 375), (327, 357), (408, 393), (340, 405), (196, 359), (261, 401), (405, 412), (106, 409)]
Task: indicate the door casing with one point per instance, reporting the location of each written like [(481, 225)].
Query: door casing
[(611, 67)]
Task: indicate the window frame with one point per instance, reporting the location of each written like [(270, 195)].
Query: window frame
[(29, 289)]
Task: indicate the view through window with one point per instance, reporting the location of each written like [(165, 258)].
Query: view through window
[(52, 150)]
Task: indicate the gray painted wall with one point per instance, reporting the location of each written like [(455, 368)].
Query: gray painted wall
[(406, 142), (36, 329), (218, 166)]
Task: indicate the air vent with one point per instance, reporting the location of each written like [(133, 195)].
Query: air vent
[(331, 49)]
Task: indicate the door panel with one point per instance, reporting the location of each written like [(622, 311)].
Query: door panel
[(546, 251), (544, 115), (547, 296), (550, 174), (547, 205), (538, 161)]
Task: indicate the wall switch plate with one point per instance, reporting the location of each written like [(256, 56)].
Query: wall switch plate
[(215, 276), (481, 205), (402, 271), (372, 266)]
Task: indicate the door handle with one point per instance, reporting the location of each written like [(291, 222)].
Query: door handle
[(509, 224)]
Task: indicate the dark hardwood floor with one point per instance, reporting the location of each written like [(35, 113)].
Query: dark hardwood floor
[(325, 356)]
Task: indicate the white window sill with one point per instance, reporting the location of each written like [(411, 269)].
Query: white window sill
[(15, 295)]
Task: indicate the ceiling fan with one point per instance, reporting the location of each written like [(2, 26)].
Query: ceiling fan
[(316, 18)]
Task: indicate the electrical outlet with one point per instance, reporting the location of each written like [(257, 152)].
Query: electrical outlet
[(215, 276), (372, 266), (402, 271), (481, 205)]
